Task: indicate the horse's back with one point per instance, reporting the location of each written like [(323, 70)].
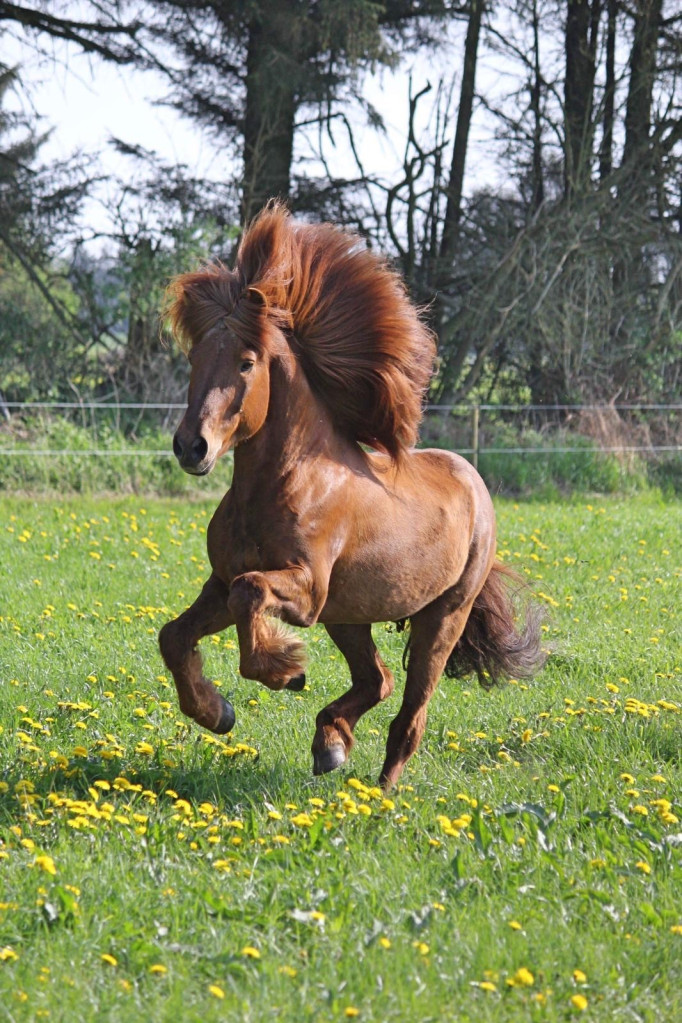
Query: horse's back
[(443, 484)]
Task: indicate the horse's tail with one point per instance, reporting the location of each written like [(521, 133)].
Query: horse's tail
[(494, 645)]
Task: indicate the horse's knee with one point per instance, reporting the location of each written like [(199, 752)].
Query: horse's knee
[(169, 642), (246, 596)]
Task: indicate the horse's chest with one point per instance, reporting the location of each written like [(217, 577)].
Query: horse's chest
[(242, 540)]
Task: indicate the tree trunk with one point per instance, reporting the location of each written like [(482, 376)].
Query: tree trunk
[(642, 74), (606, 148), (631, 275), (453, 349), (538, 186), (271, 102), (453, 212), (580, 47)]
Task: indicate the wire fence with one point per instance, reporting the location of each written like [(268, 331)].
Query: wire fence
[(477, 422)]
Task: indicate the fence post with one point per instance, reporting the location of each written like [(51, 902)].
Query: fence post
[(475, 413)]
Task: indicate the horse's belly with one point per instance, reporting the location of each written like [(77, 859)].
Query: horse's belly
[(395, 586)]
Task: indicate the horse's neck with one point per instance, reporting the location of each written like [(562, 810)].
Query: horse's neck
[(297, 428)]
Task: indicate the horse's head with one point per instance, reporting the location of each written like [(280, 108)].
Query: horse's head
[(229, 387)]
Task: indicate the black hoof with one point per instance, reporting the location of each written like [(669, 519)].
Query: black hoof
[(329, 759), (296, 683), (227, 718)]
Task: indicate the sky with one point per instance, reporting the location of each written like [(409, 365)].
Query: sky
[(85, 102)]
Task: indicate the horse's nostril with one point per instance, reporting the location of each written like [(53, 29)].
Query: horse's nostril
[(177, 447), (199, 449)]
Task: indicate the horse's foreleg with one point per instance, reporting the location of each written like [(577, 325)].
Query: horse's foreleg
[(198, 697), (434, 632), (371, 681), (268, 652)]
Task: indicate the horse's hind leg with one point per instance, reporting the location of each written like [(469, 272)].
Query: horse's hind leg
[(433, 634), (371, 681), (198, 697)]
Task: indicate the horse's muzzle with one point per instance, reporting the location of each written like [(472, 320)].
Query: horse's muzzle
[(193, 456)]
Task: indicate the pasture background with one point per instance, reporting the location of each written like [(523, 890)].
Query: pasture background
[(149, 870)]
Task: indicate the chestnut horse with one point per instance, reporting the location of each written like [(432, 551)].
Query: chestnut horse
[(307, 349)]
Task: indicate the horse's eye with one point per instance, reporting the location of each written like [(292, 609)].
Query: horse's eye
[(246, 366)]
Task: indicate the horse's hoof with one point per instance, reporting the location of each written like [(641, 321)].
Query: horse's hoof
[(227, 718), (329, 759), (296, 683)]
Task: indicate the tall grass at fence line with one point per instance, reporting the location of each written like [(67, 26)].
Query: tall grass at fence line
[(553, 470), (520, 460), (126, 463), (135, 456)]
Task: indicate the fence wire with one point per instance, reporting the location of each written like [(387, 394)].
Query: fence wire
[(449, 413)]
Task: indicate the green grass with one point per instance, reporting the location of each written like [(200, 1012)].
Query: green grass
[(537, 832)]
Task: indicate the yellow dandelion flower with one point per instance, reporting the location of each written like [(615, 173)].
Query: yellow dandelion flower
[(579, 1002), (8, 955), (250, 952), (384, 942), (158, 968), (515, 925), (522, 978), (487, 985), (421, 947), (579, 977), (45, 863), (287, 971), (643, 866), (676, 929), (302, 820), (627, 778), (107, 958), (216, 991), (351, 1011)]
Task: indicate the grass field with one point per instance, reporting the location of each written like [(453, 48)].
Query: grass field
[(529, 867)]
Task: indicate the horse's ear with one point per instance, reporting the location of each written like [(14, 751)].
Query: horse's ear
[(256, 296)]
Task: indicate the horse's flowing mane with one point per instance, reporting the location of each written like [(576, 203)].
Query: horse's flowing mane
[(344, 311)]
